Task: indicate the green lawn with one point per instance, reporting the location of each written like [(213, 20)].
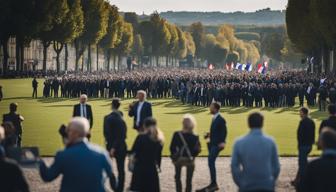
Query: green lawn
[(44, 116)]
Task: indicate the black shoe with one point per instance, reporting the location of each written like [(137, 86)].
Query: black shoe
[(209, 188)]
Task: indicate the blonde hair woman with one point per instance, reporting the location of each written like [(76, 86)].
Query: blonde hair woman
[(147, 150), (185, 146)]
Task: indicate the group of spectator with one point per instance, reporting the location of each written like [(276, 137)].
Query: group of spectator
[(254, 165)]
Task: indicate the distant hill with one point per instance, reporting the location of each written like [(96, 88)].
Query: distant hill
[(264, 17)]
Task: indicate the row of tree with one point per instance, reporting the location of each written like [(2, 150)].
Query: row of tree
[(311, 26), (84, 24), (224, 47)]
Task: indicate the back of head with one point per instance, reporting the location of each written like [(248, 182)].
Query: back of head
[(255, 120), (327, 139), (77, 129), (13, 107), (2, 134), (116, 103), (150, 127), (332, 109), (189, 123)]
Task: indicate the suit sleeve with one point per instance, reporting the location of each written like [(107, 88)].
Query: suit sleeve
[(323, 124), (150, 112), (74, 111), (108, 169), (91, 116), (107, 132), (173, 145), (235, 165), (275, 162), (120, 130), (131, 112), (51, 173), (223, 132)]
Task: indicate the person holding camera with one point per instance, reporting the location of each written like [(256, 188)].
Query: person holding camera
[(216, 143), (185, 146), (115, 129), (81, 163)]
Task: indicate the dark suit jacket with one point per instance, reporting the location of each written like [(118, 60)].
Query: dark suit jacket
[(330, 122), (15, 119), (115, 132), (146, 112), (218, 131), (320, 175), (306, 132), (77, 113)]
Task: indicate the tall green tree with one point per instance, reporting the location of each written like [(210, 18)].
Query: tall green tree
[(198, 34)]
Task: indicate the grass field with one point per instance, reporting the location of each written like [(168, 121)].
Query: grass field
[(44, 116)]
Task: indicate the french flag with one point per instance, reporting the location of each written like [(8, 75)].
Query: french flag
[(260, 68), (249, 67)]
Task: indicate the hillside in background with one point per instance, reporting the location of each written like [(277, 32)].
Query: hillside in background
[(261, 17)]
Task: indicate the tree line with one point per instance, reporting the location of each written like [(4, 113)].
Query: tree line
[(311, 27), (84, 24)]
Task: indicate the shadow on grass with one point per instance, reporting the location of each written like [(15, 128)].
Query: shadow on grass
[(319, 115), (59, 106)]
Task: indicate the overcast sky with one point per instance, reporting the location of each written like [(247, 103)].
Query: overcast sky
[(148, 6)]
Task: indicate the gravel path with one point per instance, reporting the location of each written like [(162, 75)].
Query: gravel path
[(201, 176)]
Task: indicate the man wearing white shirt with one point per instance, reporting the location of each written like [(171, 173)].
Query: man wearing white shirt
[(140, 110), (83, 109)]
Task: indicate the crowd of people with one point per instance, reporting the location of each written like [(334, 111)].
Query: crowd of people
[(199, 87), (82, 163)]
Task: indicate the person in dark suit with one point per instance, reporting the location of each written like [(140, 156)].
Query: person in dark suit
[(83, 109), (331, 121), (306, 139), (11, 176), (147, 149), (217, 136), (16, 119), (81, 163), (320, 174), (115, 135), (140, 110), (34, 85), (1, 94)]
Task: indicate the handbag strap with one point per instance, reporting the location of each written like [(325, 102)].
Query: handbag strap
[(185, 145)]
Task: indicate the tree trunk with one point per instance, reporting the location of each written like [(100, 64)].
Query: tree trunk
[(58, 49), (119, 61), (97, 55), (89, 68), (4, 43), (46, 44), (22, 56), (17, 53), (108, 57), (157, 61), (114, 62), (66, 55)]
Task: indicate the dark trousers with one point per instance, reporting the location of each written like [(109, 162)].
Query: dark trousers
[(213, 154), (303, 159), (190, 167), (34, 92), (120, 160)]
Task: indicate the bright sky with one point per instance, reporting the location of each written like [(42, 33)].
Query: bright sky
[(148, 6)]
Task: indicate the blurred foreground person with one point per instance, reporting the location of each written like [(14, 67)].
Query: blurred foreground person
[(10, 140), (115, 136), (147, 149), (11, 176), (140, 110), (320, 174), (82, 164), (185, 146), (306, 140), (16, 119), (83, 109), (331, 121), (216, 144), (255, 164)]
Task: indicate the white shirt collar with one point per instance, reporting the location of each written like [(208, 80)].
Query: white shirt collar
[(216, 115)]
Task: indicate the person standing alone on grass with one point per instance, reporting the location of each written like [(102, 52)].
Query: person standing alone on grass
[(255, 164), (115, 135), (306, 140), (217, 136), (34, 85), (16, 119), (83, 109)]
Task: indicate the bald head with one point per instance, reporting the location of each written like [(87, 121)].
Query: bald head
[(78, 128)]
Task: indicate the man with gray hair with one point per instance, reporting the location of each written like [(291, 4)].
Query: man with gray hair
[(140, 110), (81, 163), (83, 109)]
